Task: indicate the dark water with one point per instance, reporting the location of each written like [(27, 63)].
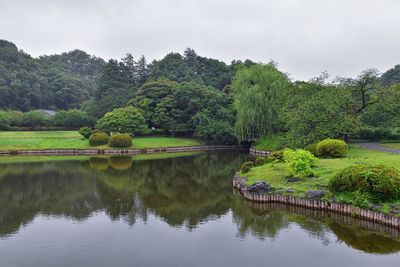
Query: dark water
[(168, 212)]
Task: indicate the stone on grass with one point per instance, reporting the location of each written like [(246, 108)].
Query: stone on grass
[(259, 187), (294, 179), (315, 194)]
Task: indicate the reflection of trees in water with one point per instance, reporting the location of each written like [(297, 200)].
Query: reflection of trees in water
[(181, 191), (54, 189), (268, 219)]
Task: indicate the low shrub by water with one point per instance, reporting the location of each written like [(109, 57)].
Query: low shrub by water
[(332, 148), (312, 148), (380, 181), (246, 166), (85, 132), (277, 156), (98, 139), (120, 140)]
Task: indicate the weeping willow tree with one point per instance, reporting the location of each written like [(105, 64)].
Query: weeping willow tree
[(259, 91)]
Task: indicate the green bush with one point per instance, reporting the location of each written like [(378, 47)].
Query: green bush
[(4, 121), (259, 161), (85, 132), (120, 140), (332, 148), (379, 181), (98, 139), (277, 156), (246, 166), (299, 162), (72, 118), (312, 148)]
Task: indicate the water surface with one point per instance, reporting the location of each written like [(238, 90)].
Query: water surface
[(179, 211)]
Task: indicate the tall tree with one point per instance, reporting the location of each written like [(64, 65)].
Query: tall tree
[(258, 91)]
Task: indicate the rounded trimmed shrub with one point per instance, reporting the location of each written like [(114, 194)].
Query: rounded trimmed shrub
[(85, 132), (380, 181), (98, 139), (120, 140), (246, 166), (332, 148), (312, 148)]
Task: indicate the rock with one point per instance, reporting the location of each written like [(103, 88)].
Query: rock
[(294, 179), (395, 206), (259, 187), (377, 207), (315, 194), (290, 191), (395, 212), (279, 191)]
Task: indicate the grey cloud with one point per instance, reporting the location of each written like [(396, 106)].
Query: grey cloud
[(305, 37)]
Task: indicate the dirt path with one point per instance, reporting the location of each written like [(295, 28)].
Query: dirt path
[(378, 147)]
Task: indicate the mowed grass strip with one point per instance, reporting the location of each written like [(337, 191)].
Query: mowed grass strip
[(72, 139)]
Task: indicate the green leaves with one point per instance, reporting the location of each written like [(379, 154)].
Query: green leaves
[(122, 120)]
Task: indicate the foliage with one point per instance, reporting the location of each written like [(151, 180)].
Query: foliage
[(277, 156), (260, 161), (271, 142), (259, 94), (98, 139), (392, 76), (85, 132), (246, 166), (126, 120), (72, 118), (316, 111), (35, 119), (120, 140), (4, 121), (312, 148), (332, 148), (380, 181), (377, 134), (299, 162)]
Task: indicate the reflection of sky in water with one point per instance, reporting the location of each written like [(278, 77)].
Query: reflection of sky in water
[(166, 212)]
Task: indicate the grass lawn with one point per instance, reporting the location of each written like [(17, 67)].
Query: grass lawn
[(72, 139), (274, 173)]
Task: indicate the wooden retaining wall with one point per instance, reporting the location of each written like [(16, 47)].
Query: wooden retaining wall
[(63, 152), (259, 152), (371, 215)]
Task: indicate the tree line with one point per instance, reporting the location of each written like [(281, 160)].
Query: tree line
[(198, 96)]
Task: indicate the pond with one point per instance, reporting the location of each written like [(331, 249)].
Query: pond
[(168, 211)]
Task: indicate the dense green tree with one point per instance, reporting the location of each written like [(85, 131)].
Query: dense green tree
[(259, 92), (173, 67), (123, 120), (391, 76)]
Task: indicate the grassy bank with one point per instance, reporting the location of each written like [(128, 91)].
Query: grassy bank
[(274, 173), (72, 139)]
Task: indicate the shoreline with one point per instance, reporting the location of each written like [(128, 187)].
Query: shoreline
[(93, 152), (316, 204)]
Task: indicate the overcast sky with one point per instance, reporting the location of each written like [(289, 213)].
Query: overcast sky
[(305, 37)]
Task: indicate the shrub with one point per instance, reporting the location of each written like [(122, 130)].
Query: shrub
[(34, 119), (4, 121), (312, 148), (120, 140), (72, 118), (246, 166), (299, 162), (332, 148), (98, 139), (259, 161), (380, 181), (85, 132), (126, 120), (277, 156)]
